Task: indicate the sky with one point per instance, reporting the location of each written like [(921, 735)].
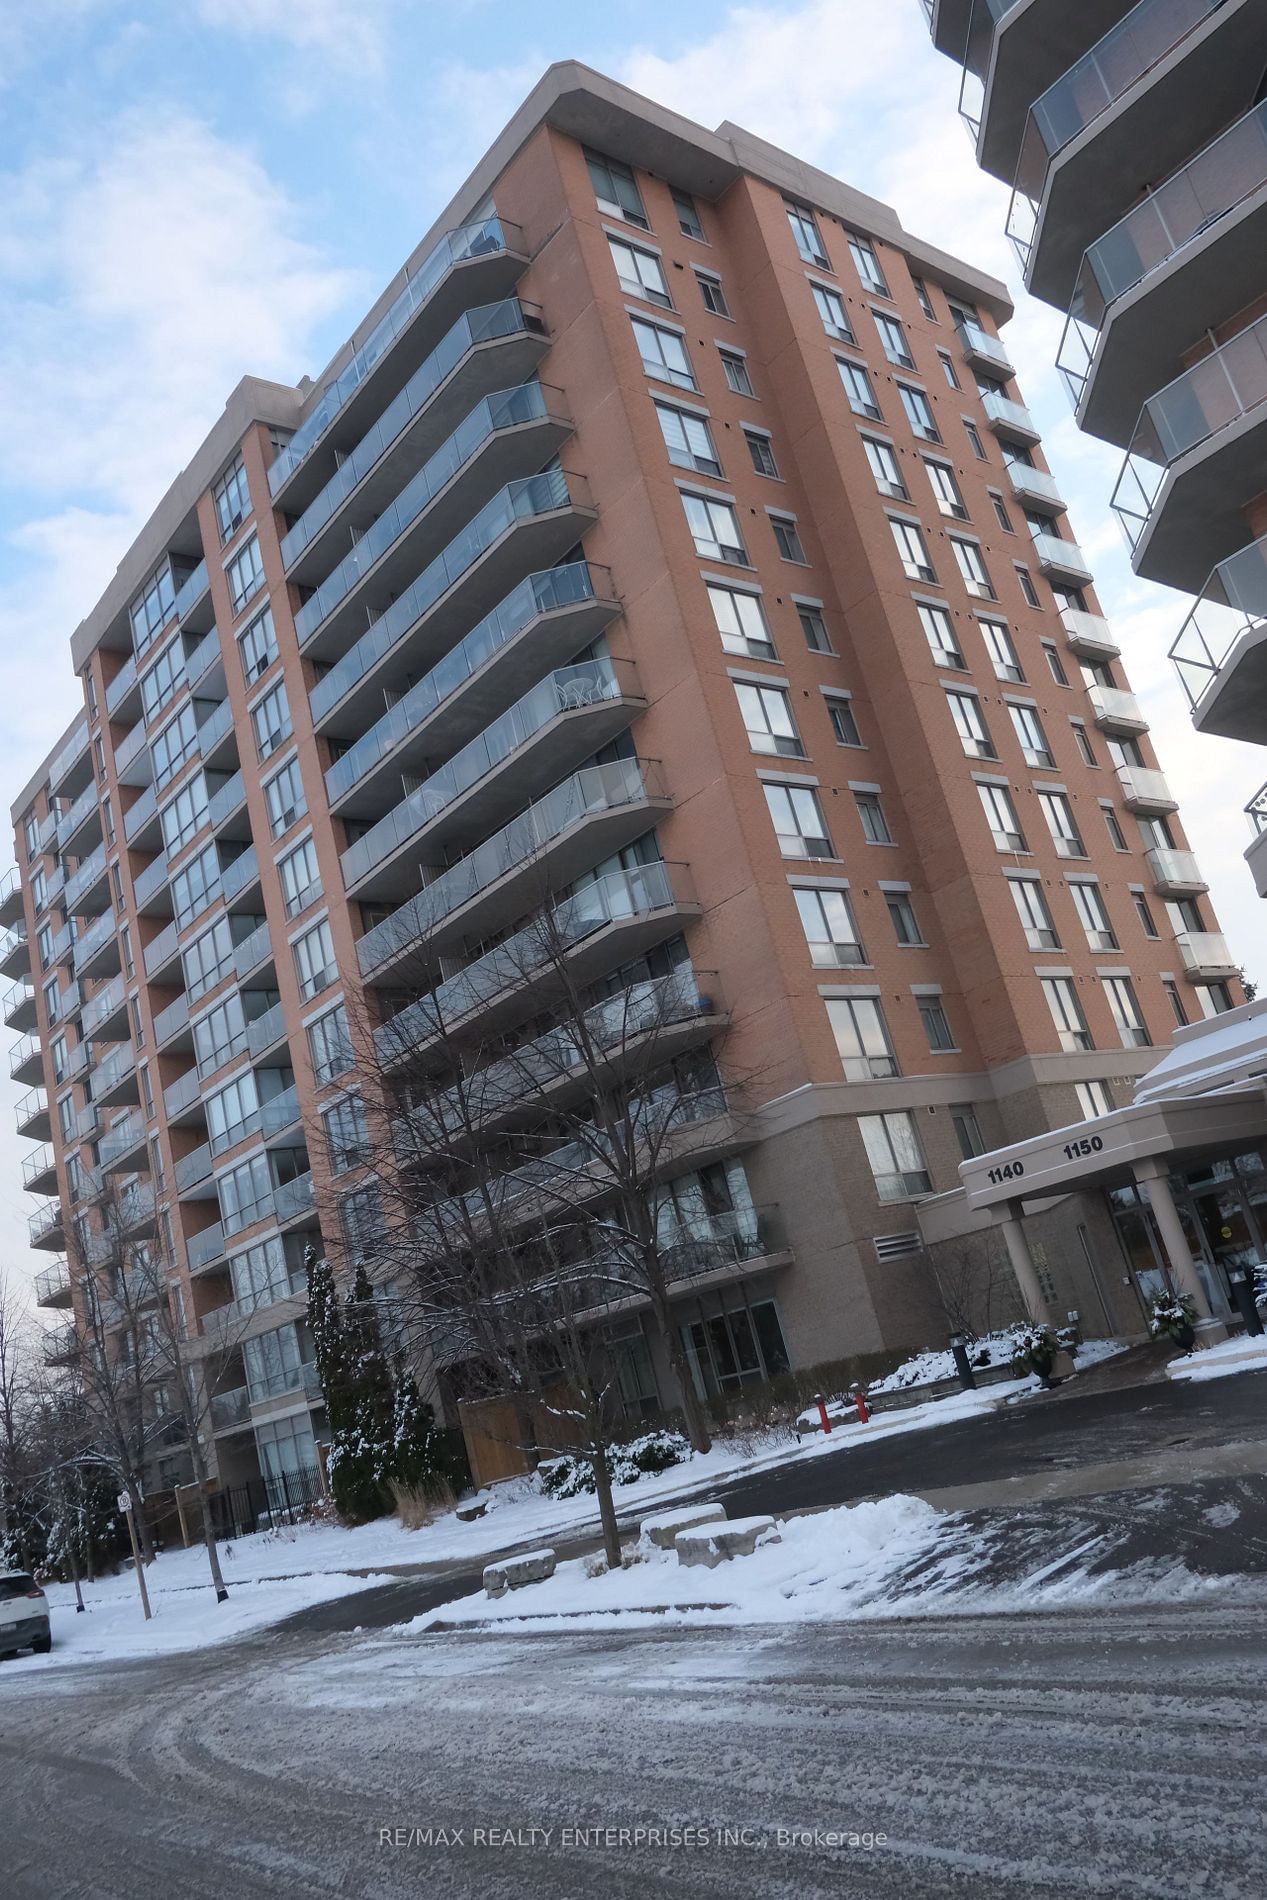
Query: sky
[(190, 194)]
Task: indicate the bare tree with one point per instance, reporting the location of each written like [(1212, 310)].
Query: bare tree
[(16, 1395), (975, 1282)]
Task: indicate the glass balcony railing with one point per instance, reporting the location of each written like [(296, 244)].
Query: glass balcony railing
[(294, 1198), (122, 683), (1231, 606), (1058, 556), (170, 1021), (539, 594), (240, 874), (597, 789), (229, 1409), (455, 247), (519, 501), (473, 328), (252, 950), (1185, 207), (974, 58), (983, 347), (279, 1112), (1009, 418), (266, 1030), (84, 877), (1092, 84), (95, 937), (205, 1246), (122, 1137), (1205, 952), (567, 690), (76, 744), (508, 409), (1210, 396), (191, 590), (160, 949), (203, 657), (76, 814), (23, 1054), (1175, 870)]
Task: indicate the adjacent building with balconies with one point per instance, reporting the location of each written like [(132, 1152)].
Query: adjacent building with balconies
[(669, 554)]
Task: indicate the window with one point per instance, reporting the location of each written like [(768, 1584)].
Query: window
[(902, 915), (715, 528), (301, 879), (896, 1158), (798, 821), (663, 353), (39, 889), (1176, 1001), (233, 1112), (52, 999), (974, 440), (875, 825), (919, 412), (741, 622), (159, 685), (862, 1038), (1094, 1100), (912, 553), (196, 886), (940, 634), (830, 930), (153, 607), (330, 1045), (1117, 836), (246, 1195), (925, 301), (1144, 914), (948, 369), (996, 802), (347, 1135), (186, 814), (831, 308), (972, 567), (762, 454), (736, 371), (687, 439), (270, 717), (1055, 665), (314, 960), (31, 835), (805, 232), (998, 642), (616, 190), (1086, 750), (207, 959), (687, 216), (258, 646), (1089, 904), (1031, 908), (893, 339), (843, 724), (946, 490), (711, 293), (361, 1218), (1033, 740), (284, 796), (232, 500), (868, 265), (1027, 586), (965, 712), (220, 1034), (640, 273), (174, 746), (936, 1026), (788, 539), (967, 1130), (245, 574), (884, 466), (814, 628), (1060, 822), (44, 938), (260, 1274), (857, 385), (1066, 1013), (767, 715), (1125, 1011), (1216, 999)]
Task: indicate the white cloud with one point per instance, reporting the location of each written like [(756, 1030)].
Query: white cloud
[(350, 34)]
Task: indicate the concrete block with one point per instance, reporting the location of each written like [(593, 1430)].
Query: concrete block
[(662, 1530), (512, 1573), (713, 1544)]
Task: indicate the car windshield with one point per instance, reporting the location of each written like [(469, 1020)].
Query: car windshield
[(15, 1586)]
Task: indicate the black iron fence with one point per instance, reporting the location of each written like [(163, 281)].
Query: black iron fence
[(261, 1504)]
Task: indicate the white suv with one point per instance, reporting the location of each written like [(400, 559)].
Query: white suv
[(23, 1614)]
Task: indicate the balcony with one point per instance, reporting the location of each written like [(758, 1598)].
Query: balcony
[(228, 802), (217, 738), (266, 1032), (295, 1201), (1205, 956), (1010, 51), (589, 816), (88, 888), (18, 1008), (529, 525), (1145, 790), (1256, 853), (60, 1345), (239, 879), (162, 952), (71, 770), (546, 619), (106, 1014), (206, 1248), (507, 437), (1088, 635), (1010, 421), (253, 951), (1062, 560), (193, 1175), (183, 1096), (88, 1122), (1175, 873), (15, 952), (230, 1411), (11, 911), (141, 825), (79, 826), (116, 1077), (279, 1114), (39, 1172), (1035, 488), (1181, 263), (476, 263), (52, 1285), (1220, 653), (135, 1210), (171, 1025), (46, 1229), (565, 718), (1097, 138), (985, 351), (611, 921), (151, 888), (494, 348), (123, 698), (200, 660), (26, 1061), (132, 764), (31, 1116), (1115, 710), (97, 950), (125, 1145)]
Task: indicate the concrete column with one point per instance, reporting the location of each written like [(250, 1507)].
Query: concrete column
[(1153, 1177), (1022, 1261)]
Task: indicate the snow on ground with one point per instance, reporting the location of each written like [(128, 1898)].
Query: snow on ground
[(1220, 1362), (926, 1367)]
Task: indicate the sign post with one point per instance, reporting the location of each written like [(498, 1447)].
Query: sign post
[(124, 1501)]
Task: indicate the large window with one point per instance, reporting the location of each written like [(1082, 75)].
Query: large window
[(663, 353), (798, 821), (741, 622), (1031, 908), (714, 526), (863, 254), (830, 930), (1002, 653), (972, 567), (805, 232), (919, 413), (688, 222), (246, 1195), (208, 959), (616, 189), (245, 574), (233, 1112), (1125, 1012), (361, 1218), (1033, 740), (893, 339), (965, 712), (1060, 822), (640, 272), (996, 802), (862, 1038), (875, 826), (196, 886), (270, 717), (314, 960), (857, 386), (814, 627), (284, 796), (185, 815), (347, 1134), (735, 369), (788, 539), (831, 308), (946, 490), (220, 1034), (174, 746), (939, 631), (883, 463), (1089, 904), (258, 646), (232, 500), (1094, 1100), (330, 1045), (153, 607), (300, 877), (936, 1025), (273, 1363), (896, 1158), (688, 440), (160, 683), (909, 539), (1066, 1013), (260, 1274)]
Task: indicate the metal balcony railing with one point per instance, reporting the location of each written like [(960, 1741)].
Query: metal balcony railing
[(1231, 605), (52, 1285)]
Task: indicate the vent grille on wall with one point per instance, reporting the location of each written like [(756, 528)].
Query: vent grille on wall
[(898, 1246)]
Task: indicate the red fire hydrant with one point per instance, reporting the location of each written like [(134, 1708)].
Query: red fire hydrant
[(821, 1403), (860, 1400)]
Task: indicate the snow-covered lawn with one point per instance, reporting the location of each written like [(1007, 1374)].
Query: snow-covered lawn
[(1220, 1362), (926, 1367)]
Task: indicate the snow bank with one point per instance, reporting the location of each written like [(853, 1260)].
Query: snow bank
[(927, 1367), (1221, 1361)]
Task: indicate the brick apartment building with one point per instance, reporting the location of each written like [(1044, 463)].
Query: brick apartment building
[(671, 537)]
